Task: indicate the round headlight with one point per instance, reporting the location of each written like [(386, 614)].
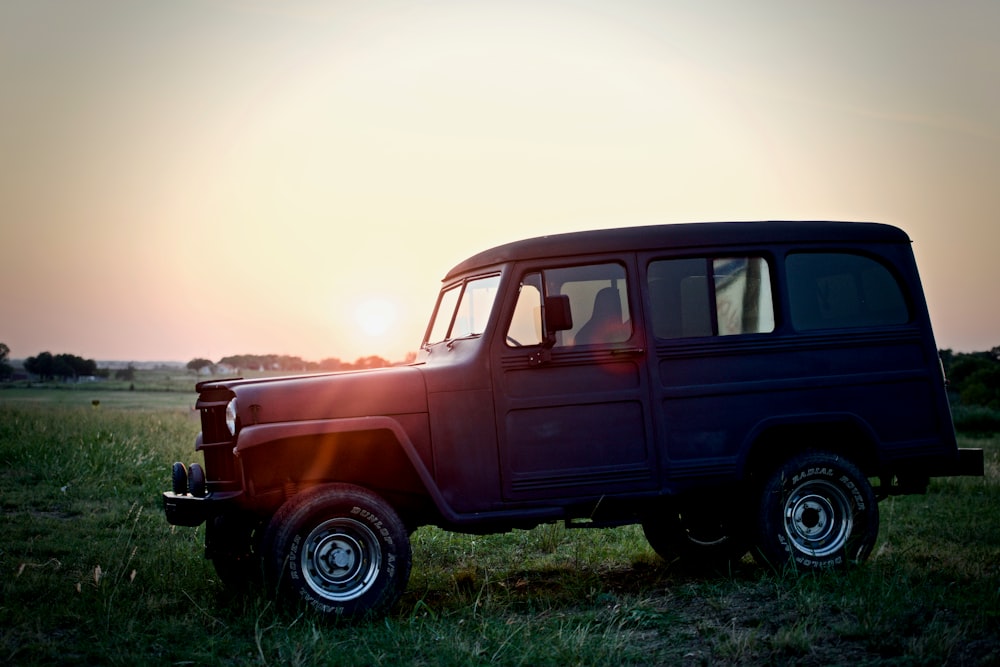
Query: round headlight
[(231, 417)]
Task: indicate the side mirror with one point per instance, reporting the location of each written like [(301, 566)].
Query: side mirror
[(558, 316)]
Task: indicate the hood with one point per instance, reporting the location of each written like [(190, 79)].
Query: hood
[(376, 392)]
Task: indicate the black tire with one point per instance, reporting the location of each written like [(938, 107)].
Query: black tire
[(232, 543), (702, 533), (179, 479), (196, 481), (340, 549), (817, 511)]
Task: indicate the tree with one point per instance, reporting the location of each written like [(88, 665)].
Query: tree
[(198, 364), (372, 361), (127, 373), (6, 370), (331, 364), (62, 367), (65, 366), (268, 362), (76, 366), (41, 365)]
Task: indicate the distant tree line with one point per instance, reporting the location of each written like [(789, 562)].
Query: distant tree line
[(48, 366), (286, 363)]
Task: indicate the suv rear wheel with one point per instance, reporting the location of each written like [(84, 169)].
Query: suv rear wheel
[(817, 511), (341, 549)]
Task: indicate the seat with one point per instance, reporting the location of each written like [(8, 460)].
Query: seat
[(605, 324)]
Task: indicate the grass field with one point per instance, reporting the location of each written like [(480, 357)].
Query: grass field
[(90, 572)]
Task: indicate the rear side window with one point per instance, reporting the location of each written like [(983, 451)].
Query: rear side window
[(722, 296), (842, 291)]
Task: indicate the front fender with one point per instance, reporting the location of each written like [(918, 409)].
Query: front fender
[(333, 446)]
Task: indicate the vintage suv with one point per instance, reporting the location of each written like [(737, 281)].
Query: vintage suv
[(732, 387)]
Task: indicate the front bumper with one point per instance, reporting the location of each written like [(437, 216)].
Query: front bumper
[(188, 510)]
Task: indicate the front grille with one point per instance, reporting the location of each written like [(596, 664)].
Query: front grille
[(213, 425), (217, 446)]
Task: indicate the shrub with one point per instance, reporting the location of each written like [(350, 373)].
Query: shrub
[(976, 419)]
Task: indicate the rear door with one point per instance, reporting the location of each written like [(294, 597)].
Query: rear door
[(711, 321)]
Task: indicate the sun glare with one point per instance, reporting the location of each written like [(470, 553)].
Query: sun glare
[(375, 316)]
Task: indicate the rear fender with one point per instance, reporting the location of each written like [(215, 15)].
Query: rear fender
[(777, 439)]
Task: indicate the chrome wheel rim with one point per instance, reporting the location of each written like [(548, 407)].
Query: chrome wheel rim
[(818, 518), (341, 559)]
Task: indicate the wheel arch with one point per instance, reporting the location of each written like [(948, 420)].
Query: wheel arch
[(282, 460), (777, 440)]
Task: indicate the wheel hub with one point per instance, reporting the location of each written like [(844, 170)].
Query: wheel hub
[(341, 559), (818, 518), (811, 516)]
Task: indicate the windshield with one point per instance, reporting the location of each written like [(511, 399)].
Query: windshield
[(464, 309)]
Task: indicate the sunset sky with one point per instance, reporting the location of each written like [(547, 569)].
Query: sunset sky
[(200, 178)]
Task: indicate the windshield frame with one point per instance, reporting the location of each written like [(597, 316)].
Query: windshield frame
[(478, 315)]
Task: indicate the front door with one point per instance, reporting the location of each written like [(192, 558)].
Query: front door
[(572, 416)]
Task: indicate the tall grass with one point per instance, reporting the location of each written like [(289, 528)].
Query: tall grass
[(90, 572)]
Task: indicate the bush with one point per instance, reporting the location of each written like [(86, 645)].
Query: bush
[(974, 377), (976, 419)]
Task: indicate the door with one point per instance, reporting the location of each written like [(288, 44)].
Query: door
[(572, 406), (711, 319)]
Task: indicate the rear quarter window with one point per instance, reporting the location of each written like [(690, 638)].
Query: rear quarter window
[(843, 291)]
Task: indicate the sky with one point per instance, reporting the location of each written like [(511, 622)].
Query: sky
[(203, 178)]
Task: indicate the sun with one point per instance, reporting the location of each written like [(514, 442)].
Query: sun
[(375, 316)]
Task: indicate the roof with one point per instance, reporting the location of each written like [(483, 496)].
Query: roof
[(680, 235)]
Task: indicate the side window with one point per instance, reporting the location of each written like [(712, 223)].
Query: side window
[(842, 290), (526, 324), (723, 296), (598, 296)]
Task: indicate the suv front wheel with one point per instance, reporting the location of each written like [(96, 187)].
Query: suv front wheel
[(341, 549), (817, 511), (232, 542)]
